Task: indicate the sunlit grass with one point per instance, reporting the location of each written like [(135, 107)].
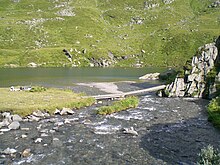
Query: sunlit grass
[(129, 102), (25, 102), (169, 34)]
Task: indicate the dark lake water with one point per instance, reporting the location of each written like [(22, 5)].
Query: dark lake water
[(69, 76)]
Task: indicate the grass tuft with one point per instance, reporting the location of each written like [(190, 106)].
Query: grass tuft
[(37, 89), (129, 102)]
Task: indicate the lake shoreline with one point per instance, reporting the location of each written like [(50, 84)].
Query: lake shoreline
[(68, 77), (158, 122)]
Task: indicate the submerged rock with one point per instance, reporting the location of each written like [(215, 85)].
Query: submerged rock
[(25, 129), (56, 142), (69, 121), (5, 130), (9, 151), (26, 152), (130, 131), (23, 136), (38, 140), (59, 123), (44, 135)]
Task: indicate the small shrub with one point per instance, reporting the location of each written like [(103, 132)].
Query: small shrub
[(195, 93), (214, 105), (209, 156), (129, 102), (37, 89), (168, 76), (214, 111), (211, 75), (188, 65)]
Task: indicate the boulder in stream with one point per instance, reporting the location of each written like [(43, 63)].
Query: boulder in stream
[(16, 118), (9, 151), (130, 131), (26, 152), (14, 125)]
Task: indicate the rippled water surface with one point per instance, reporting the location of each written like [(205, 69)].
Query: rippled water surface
[(170, 131)]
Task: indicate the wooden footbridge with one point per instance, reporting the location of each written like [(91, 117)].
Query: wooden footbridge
[(123, 94)]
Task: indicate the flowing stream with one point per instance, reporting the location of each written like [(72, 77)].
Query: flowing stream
[(170, 131)]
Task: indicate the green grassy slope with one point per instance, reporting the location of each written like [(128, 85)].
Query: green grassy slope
[(166, 35)]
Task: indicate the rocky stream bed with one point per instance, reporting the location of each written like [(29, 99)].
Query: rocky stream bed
[(170, 131)]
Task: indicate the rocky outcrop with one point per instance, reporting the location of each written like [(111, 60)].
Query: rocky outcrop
[(150, 76), (9, 122), (168, 1), (150, 4), (215, 4), (32, 65), (68, 55), (101, 62), (200, 76)]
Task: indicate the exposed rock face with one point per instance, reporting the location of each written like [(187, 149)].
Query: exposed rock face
[(32, 65), (168, 1), (150, 76), (101, 62), (194, 81), (215, 4), (150, 4)]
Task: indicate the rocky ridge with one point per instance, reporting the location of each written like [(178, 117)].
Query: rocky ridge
[(200, 76)]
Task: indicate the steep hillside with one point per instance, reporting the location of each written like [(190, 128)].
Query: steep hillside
[(105, 32)]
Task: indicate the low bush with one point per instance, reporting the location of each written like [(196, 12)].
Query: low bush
[(129, 102), (209, 156), (37, 89), (168, 76), (214, 111)]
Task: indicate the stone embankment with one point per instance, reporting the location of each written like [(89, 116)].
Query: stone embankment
[(12, 122), (200, 76)]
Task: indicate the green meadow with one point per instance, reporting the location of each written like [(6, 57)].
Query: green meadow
[(165, 35), (26, 102)]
